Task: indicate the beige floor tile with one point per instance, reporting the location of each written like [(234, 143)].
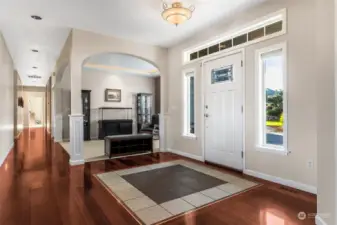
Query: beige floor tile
[(197, 199), (128, 194), (244, 183), (162, 165), (108, 174), (120, 186), (112, 179), (133, 170), (140, 203), (215, 193), (153, 214), (224, 176), (177, 206), (230, 188)]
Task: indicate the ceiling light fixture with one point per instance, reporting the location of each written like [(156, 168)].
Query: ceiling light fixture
[(34, 67), (35, 17), (177, 13), (35, 50)]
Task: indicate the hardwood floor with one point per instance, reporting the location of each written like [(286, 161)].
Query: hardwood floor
[(38, 187)]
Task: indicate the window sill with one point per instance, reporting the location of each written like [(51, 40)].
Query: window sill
[(190, 136), (273, 150)]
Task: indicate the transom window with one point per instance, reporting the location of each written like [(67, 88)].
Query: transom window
[(189, 103), (272, 106), (264, 28)]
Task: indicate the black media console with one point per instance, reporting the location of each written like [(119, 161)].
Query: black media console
[(114, 127), (114, 121)]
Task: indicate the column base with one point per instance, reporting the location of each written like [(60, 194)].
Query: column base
[(76, 162), (76, 140)]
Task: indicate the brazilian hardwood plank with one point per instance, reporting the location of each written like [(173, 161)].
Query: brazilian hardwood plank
[(39, 187)]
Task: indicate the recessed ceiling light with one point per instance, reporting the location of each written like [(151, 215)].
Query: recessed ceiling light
[(35, 17), (35, 50)]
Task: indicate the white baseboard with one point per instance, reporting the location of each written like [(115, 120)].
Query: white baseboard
[(188, 155), (319, 220), (76, 162), (6, 154), (279, 180)]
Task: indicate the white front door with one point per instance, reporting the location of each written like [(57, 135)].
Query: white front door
[(223, 111)]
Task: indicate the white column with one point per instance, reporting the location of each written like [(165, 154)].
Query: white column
[(76, 139), (76, 117), (164, 98), (162, 131)]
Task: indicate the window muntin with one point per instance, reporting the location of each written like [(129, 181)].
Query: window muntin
[(272, 99), (189, 104)]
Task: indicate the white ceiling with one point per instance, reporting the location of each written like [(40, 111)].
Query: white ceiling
[(137, 20)]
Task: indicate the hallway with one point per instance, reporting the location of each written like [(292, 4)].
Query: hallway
[(38, 187)]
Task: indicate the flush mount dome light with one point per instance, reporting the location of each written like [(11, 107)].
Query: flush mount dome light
[(177, 13), (35, 50), (34, 67), (35, 17)]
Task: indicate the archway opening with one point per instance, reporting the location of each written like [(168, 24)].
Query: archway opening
[(120, 95)]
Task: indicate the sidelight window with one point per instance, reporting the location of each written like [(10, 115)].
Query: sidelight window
[(272, 111)]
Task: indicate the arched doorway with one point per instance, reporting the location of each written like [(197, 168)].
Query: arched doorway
[(118, 87)]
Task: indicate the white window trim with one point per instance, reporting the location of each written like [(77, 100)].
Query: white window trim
[(260, 102), (186, 110)]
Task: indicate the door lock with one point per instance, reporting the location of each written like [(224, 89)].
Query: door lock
[(206, 115)]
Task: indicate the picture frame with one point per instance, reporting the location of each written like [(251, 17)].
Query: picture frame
[(113, 95)]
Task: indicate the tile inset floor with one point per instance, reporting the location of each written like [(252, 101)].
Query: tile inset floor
[(177, 181), (161, 191)]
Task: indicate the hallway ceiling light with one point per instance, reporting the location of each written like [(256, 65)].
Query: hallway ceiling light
[(34, 67), (177, 13), (34, 76), (35, 17), (35, 50)]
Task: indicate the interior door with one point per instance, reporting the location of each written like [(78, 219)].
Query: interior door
[(223, 111)]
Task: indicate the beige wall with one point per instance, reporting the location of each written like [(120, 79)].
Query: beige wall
[(6, 101), (326, 123), (301, 97), (97, 81)]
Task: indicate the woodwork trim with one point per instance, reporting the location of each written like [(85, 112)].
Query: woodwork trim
[(319, 220), (279, 180), (185, 154)]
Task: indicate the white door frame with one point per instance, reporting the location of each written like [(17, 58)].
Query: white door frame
[(202, 88)]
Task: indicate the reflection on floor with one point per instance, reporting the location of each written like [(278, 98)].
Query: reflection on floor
[(94, 150), (38, 187)]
